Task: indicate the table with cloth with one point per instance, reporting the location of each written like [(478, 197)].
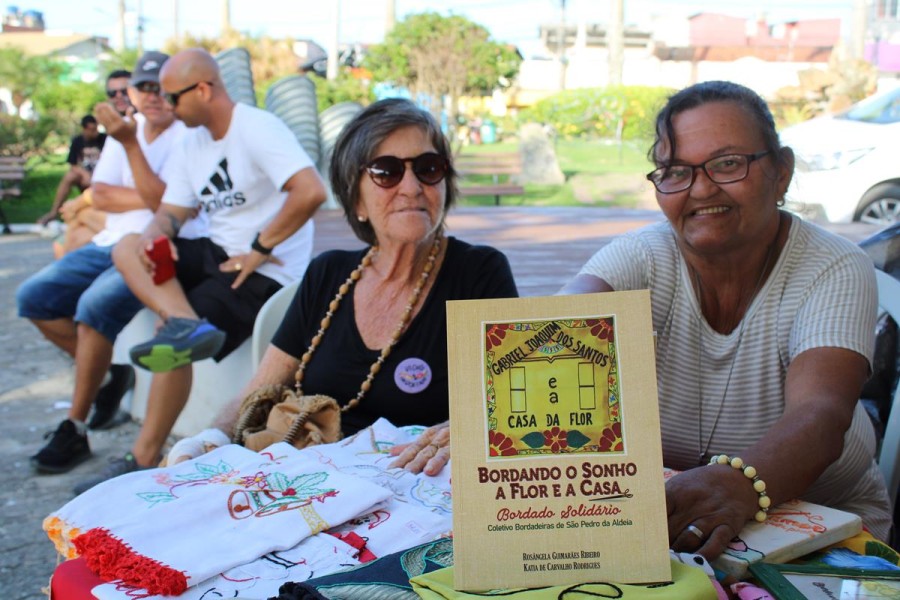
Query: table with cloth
[(282, 523)]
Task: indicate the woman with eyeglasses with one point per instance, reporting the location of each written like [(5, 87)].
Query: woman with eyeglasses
[(382, 349), (764, 327)]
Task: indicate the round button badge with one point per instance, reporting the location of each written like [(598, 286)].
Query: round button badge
[(412, 375)]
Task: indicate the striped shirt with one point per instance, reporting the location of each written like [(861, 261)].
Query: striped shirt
[(720, 393)]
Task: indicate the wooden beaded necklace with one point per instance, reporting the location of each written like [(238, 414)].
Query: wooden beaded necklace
[(401, 327)]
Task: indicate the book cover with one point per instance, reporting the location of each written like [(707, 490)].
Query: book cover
[(556, 442)]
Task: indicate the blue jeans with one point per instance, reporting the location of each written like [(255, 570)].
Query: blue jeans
[(83, 285)]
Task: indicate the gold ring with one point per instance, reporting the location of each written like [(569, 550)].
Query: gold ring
[(237, 266), (696, 531)]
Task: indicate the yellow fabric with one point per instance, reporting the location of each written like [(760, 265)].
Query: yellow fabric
[(690, 583)]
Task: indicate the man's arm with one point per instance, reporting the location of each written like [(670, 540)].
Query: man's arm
[(305, 193), (148, 184), (117, 198)]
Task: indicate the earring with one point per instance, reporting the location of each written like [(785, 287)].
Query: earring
[(361, 218)]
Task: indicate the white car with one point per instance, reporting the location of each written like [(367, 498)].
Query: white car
[(848, 165)]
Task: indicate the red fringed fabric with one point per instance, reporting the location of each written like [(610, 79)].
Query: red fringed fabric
[(111, 559)]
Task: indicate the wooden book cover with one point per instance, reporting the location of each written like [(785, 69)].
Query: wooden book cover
[(556, 443)]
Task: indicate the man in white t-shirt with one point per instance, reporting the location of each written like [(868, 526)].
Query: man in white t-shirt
[(244, 169), (80, 302)]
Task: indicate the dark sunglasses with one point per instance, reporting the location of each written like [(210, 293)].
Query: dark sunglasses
[(148, 87), (172, 97), (116, 92), (387, 171)]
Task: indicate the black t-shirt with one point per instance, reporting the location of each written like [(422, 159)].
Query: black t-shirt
[(411, 388), (85, 153)]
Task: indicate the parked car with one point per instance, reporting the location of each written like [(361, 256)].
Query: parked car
[(848, 164)]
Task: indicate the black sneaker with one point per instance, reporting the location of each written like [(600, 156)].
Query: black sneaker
[(179, 342), (66, 449), (115, 467), (106, 413)]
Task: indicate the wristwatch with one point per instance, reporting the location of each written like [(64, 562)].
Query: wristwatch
[(259, 247)]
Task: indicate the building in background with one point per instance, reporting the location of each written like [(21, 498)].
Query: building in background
[(678, 52)]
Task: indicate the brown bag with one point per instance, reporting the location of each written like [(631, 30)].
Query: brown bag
[(275, 413)]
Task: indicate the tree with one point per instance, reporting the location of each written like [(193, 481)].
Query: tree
[(442, 57), (23, 75), (270, 59)]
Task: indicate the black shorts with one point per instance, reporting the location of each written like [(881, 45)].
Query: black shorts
[(209, 291)]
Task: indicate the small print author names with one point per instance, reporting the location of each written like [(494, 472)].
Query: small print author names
[(560, 561)]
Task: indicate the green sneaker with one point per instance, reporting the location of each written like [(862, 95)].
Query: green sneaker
[(179, 342)]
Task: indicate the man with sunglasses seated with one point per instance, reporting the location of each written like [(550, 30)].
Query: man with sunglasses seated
[(82, 221), (80, 302), (244, 170)]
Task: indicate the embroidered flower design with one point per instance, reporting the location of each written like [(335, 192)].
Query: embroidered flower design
[(601, 328), (556, 439), (611, 438), (495, 335), (500, 444), (258, 480)]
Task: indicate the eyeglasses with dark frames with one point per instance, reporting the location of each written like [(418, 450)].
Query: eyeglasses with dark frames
[(387, 171), (117, 92), (172, 97), (727, 168)]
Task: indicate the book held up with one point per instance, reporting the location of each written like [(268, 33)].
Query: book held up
[(556, 442)]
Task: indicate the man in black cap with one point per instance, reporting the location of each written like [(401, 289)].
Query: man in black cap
[(80, 302)]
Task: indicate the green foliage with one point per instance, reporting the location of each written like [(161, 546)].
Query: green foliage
[(24, 137), (344, 88), (67, 101), (38, 190), (442, 56), (613, 112), (23, 75), (124, 59)]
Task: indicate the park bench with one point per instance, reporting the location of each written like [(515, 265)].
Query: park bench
[(12, 172), (503, 167)]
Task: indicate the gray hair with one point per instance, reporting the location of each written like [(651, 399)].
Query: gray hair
[(356, 146)]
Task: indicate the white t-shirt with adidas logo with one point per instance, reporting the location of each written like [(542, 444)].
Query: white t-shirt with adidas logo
[(236, 181)]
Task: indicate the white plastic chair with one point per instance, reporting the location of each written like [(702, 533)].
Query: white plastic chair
[(889, 458), (214, 383), (269, 318)]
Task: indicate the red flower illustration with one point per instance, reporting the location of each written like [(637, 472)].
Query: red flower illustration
[(500, 445), (601, 328), (556, 439), (611, 439), (495, 335)]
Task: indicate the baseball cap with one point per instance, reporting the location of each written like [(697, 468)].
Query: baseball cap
[(148, 66)]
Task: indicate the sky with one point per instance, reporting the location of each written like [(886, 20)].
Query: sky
[(510, 21)]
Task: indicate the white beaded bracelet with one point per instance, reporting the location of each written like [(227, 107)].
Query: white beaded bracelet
[(759, 486)]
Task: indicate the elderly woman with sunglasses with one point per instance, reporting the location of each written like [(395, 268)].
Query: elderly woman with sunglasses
[(383, 352), (764, 327)]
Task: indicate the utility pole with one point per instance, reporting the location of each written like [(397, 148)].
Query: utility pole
[(176, 34), (140, 27), (391, 18), (561, 44), (120, 30), (615, 42), (860, 29), (226, 16), (333, 54)]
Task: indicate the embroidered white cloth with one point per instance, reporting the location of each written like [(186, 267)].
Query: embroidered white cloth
[(165, 530), (318, 555)]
